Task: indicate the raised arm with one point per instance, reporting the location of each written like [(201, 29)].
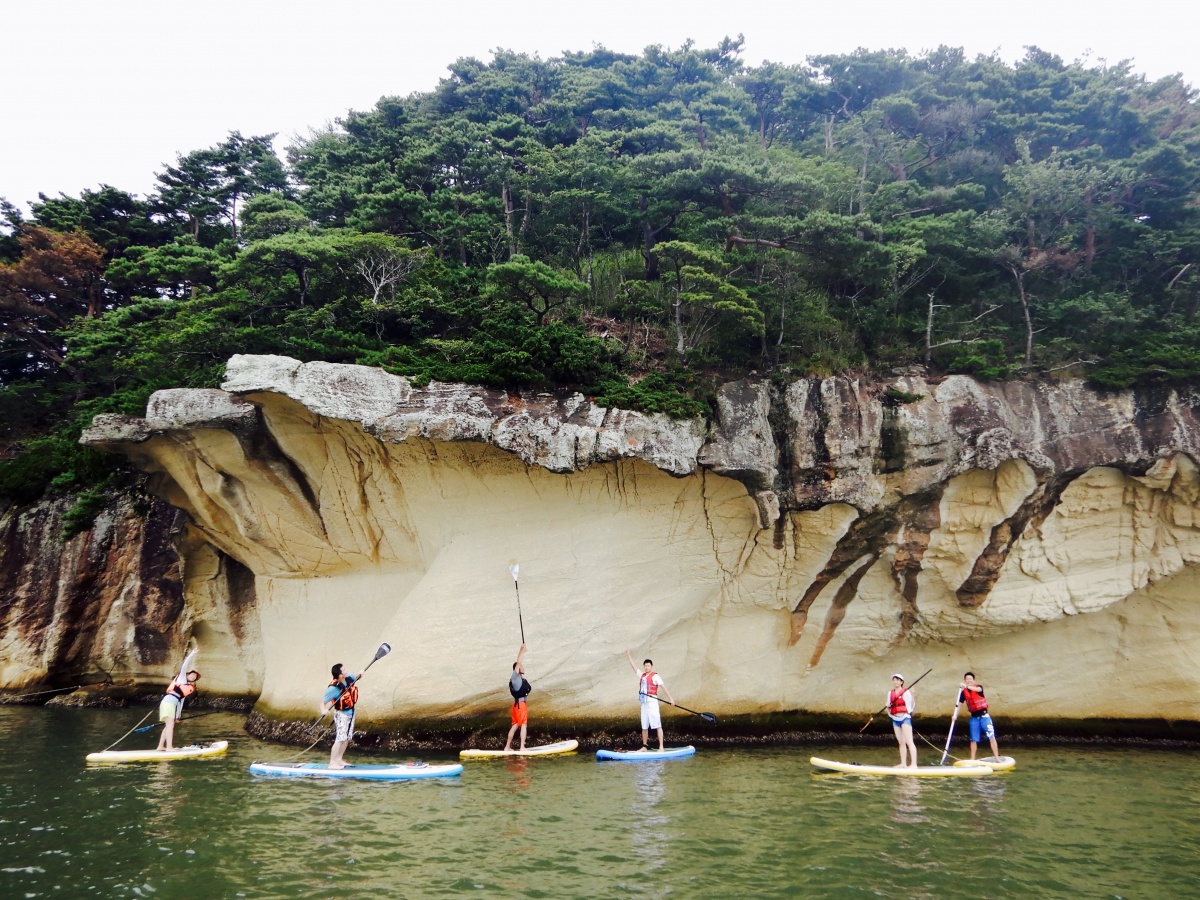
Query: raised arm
[(521, 656), (632, 665)]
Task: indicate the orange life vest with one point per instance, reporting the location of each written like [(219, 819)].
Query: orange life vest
[(646, 686), (896, 705), (182, 691), (975, 700), (348, 698)]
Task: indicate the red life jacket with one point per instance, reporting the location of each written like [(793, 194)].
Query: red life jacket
[(646, 685), (348, 698), (896, 705), (975, 701)]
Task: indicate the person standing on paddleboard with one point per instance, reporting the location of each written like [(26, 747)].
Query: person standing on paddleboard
[(341, 696), (519, 688), (900, 707), (170, 708), (649, 684), (971, 693)]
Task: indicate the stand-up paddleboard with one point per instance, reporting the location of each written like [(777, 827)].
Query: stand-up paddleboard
[(995, 763), (645, 755), (829, 765), (400, 772), (544, 750), (195, 751)]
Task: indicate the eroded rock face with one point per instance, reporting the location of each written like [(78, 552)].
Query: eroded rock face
[(789, 555)]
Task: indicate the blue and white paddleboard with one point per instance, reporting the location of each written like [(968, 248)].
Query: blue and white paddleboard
[(645, 755), (402, 772)]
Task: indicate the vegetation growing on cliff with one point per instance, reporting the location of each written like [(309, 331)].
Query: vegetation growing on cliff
[(635, 227)]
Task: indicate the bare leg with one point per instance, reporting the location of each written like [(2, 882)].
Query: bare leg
[(511, 732), (660, 738), (995, 748), (523, 729), (168, 734), (336, 754), (974, 747)]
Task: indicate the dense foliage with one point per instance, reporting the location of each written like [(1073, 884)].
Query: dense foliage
[(635, 227)]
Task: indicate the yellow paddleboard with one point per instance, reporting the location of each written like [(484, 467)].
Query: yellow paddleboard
[(196, 751), (544, 750), (829, 765), (995, 763)]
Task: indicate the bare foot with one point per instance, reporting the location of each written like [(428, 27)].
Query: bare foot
[(338, 766)]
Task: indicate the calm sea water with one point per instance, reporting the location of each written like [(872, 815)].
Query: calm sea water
[(725, 823)]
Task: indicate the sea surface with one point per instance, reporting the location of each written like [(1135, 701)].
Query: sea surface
[(724, 823)]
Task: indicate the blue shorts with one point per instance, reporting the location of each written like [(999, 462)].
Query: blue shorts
[(907, 720), (982, 726)]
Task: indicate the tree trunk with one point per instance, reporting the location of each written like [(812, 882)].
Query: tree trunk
[(1024, 298), (506, 198)]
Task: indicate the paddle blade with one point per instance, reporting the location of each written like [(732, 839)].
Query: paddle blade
[(513, 570), (709, 717), (384, 649)]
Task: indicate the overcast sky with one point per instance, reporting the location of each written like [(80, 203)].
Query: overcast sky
[(106, 91)]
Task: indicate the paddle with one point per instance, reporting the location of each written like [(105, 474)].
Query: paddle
[(384, 649), (884, 709), (513, 570), (950, 736), (184, 719), (707, 717)]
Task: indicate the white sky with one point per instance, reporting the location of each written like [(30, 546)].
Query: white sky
[(106, 91)]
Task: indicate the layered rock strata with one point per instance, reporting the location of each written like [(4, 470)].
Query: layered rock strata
[(789, 555)]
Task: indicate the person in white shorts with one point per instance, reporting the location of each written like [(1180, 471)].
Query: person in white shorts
[(341, 697), (649, 684)]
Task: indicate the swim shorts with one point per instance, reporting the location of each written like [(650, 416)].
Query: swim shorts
[(344, 722), (168, 708), (650, 716), (520, 713), (981, 726)]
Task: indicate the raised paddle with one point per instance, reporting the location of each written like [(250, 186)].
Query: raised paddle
[(707, 717), (950, 736), (384, 649), (513, 570), (884, 709)]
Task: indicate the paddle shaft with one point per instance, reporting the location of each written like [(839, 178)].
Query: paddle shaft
[(950, 735), (706, 716), (184, 719), (520, 618), (884, 708)]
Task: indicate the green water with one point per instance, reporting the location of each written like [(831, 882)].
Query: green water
[(725, 823)]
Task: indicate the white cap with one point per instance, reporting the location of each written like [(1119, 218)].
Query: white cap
[(898, 675)]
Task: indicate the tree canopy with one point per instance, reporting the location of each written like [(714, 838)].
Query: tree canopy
[(636, 227)]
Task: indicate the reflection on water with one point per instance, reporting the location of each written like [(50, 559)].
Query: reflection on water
[(648, 825), (906, 801), (733, 823)]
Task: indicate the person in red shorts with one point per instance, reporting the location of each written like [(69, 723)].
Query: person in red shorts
[(519, 688)]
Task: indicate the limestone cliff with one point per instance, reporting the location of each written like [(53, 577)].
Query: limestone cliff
[(107, 606), (789, 555)]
